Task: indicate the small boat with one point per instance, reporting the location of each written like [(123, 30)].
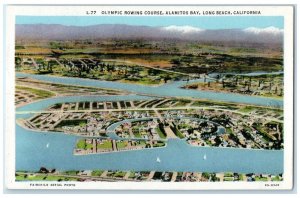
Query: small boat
[(47, 145), (204, 157), (157, 160)]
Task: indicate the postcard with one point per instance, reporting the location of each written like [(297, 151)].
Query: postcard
[(149, 97)]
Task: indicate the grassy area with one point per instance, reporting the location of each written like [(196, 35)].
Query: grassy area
[(228, 130), (18, 47), (71, 172), (159, 144), (205, 103), (56, 106), (59, 178), (81, 144), (43, 177), (261, 178), (228, 174), (182, 103), (107, 144), (247, 109), (97, 173), (142, 81), (121, 144), (61, 88), (276, 178), (33, 50), (110, 173), (160, 133), (82, 123), (41, 94), (72, 123), (88, 146), (140, 143), (137, 134), (119, 174), (228, 178), (25, 177), (178, 133), (179, 174), (132, 174), (261, 129), (241, 177)]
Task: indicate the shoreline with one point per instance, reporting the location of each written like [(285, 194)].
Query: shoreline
[(137, 91), (110, 152), (166, 140), (228, 92)]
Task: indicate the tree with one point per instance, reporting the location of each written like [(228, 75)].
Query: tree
[(50, 65), (206, 175), (18, 61), (214, 177), (218, 141), (190, 131), (250, 82), (176, 61), (203, 124), (44, 170), (167, 78)]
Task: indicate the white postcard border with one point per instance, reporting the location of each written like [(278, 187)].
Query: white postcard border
[(12, 11)]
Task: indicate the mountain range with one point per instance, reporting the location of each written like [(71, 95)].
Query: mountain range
[(120, 31)]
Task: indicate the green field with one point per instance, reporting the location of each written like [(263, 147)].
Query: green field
[(41, 94), (97, 173), (43, 177), (160, 133), (107, 144), (121, 144), (81, 144)]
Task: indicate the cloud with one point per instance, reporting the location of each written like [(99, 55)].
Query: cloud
[(182, 29), (268, 30)]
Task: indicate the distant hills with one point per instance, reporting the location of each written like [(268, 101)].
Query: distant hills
[(120, 31)]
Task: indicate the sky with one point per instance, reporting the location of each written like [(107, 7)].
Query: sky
[(211, 22)]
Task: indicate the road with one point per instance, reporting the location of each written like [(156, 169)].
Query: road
[(148, 66)]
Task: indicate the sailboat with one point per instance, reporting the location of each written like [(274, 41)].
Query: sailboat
[(157, 160), (204, 157), (47, 145)]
